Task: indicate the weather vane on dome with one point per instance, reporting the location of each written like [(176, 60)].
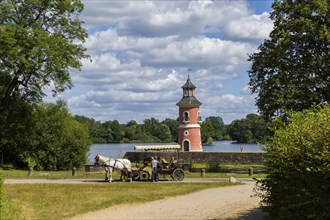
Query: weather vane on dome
[(189, 72)]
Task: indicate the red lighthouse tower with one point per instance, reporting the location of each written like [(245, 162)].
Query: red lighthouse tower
[(189, 116)]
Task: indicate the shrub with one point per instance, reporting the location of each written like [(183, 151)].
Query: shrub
[(298, 167), (1, 183), (213, 167), (1, 193)]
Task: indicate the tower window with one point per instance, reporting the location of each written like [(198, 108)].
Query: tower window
[(188, 92), (186, 116)]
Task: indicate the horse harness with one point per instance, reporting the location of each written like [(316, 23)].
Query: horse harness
[(114, 165)]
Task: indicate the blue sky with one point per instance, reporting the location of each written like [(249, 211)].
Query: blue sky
[(141, 52)]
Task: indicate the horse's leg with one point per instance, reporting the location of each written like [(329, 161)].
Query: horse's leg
[(106, 178), (110, 175), (121, 176), (128, 175)]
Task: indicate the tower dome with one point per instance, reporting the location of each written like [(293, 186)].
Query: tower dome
[(188, 97)]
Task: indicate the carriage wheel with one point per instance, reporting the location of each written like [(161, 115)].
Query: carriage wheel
[(178, 175), (144, 175), (136, 175)]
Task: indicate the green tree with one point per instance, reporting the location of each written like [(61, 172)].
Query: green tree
[(40, 43), (140, 135), (148, 128), (61, 142), (134, 132), (157, 132), (219, 127), (298, 167), (17, 131), (251, 129), (291, 70), (107, 133), (259, 128), (173, 125), (1, 195), (207, 132), (114, 132), (96, 130), (46, 134), (240, 131), (163, 133), (130, 130)]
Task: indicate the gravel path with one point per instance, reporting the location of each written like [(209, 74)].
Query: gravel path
[(234, 202)]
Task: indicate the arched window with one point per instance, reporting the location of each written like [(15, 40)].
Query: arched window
[(186, 116), (199, 117)]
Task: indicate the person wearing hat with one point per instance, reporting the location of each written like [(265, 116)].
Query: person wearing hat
[(154, 164)]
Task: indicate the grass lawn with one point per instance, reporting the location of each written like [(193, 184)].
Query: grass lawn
[(11, 173), (222, 171), (60, 201), (81, 174), (224, 175)]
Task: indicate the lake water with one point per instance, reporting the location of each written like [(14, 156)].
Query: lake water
[(119, 150)]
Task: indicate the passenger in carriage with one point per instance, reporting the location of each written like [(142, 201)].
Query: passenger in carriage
[(173, 162), (163, 163)]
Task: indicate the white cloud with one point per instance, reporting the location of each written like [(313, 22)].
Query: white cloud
[(197, 51), (251, 27), (229, 107), (141, 51), (245, 90), (98, 13)]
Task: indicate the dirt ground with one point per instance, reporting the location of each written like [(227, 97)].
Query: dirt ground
[(234, 202)]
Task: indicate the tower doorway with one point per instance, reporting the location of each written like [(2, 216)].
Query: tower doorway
[(186, 146)]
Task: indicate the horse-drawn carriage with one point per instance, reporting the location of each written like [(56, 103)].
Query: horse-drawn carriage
[(165, 169), (174, 170)]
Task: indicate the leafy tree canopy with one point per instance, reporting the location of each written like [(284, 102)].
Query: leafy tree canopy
[(251, 129), (291, 70), (46, 134), (207, 132), (219, 127), (298, 167), (40, 43)]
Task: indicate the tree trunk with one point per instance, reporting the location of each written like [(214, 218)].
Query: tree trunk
[(5, 101)]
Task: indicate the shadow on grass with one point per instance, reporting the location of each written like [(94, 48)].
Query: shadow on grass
[(94, 181)]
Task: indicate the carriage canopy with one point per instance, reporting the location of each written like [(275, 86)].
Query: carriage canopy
[(157, 147)]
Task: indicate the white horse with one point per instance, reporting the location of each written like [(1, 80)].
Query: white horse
[(123, 165)]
